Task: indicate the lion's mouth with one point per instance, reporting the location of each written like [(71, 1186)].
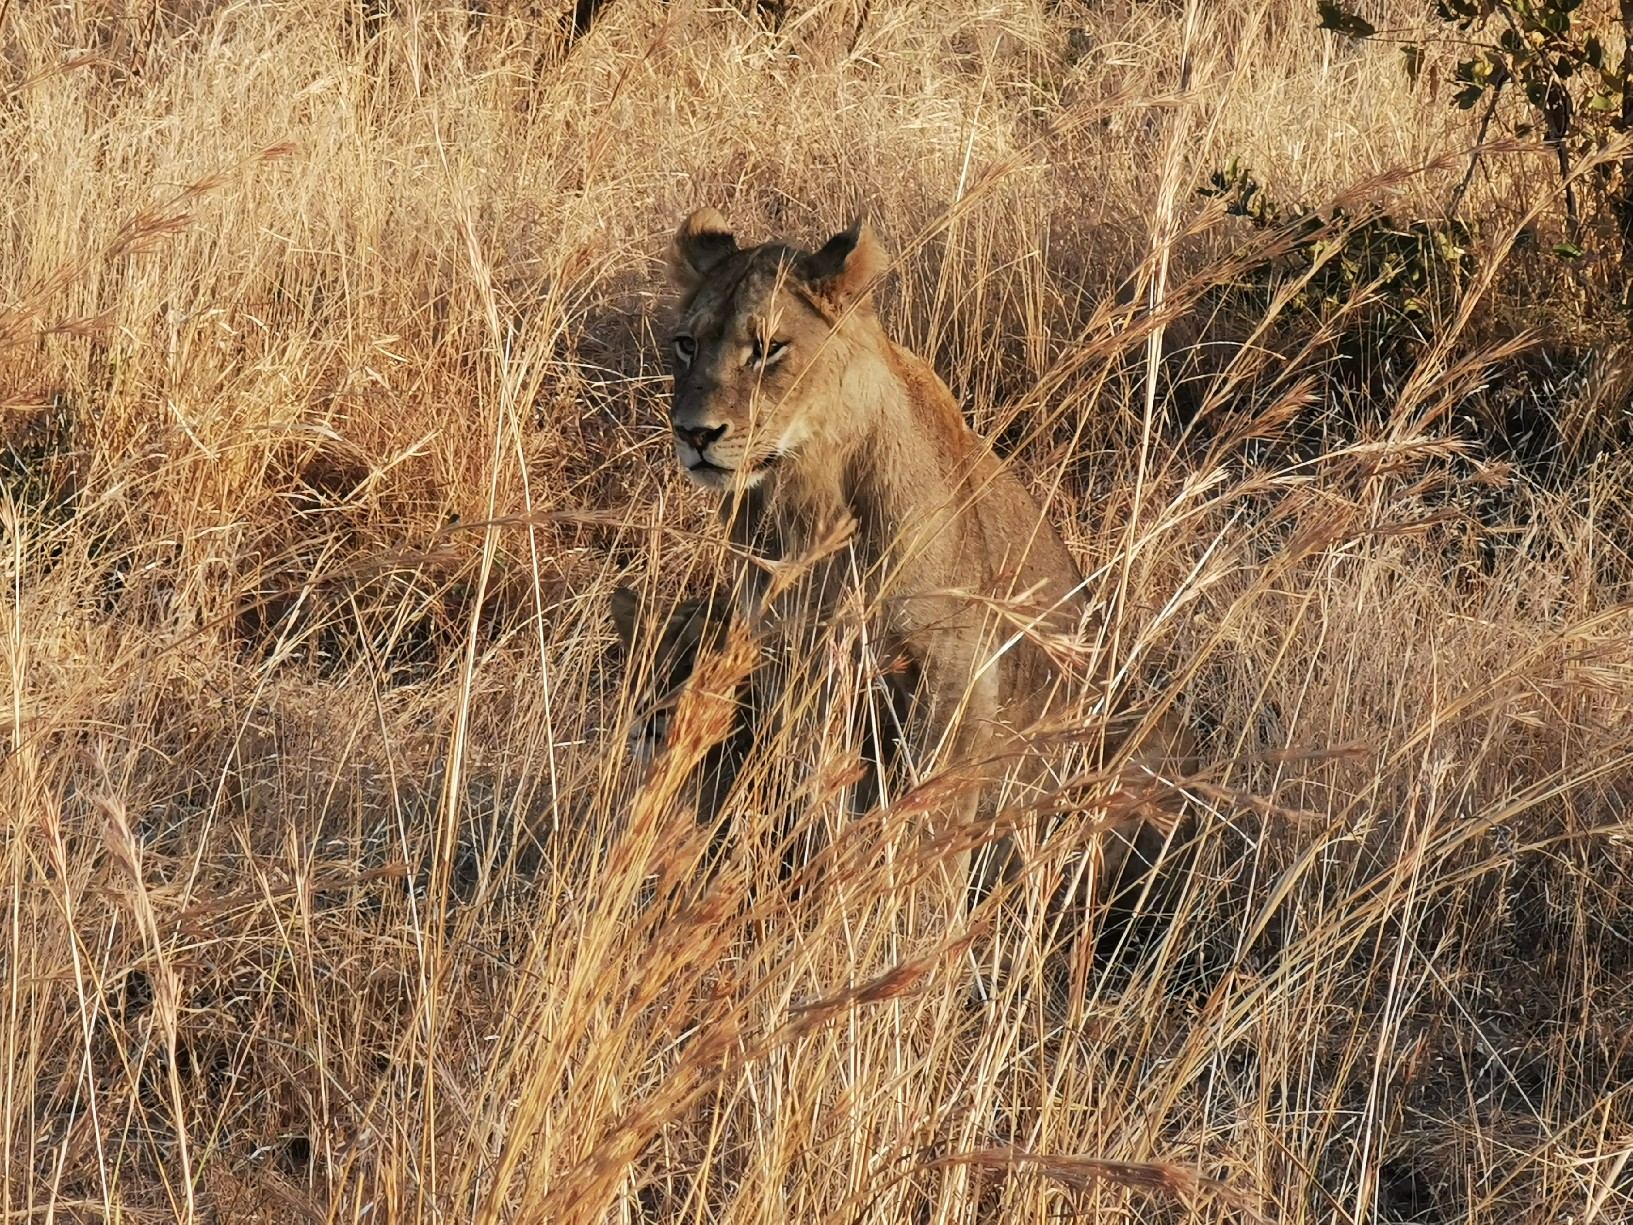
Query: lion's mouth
[(755, 469)]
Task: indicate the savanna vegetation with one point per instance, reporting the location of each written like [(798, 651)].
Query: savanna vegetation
[(333, 367)]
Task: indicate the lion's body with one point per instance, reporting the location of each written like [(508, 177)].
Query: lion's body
[(958, 563), (790, 397)]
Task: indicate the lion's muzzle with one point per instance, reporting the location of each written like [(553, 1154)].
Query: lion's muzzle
[(708, 452), (698, 438), (692, 450)]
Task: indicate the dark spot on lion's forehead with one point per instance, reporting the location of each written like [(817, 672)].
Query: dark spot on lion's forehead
[(742, 283), (751, 270)]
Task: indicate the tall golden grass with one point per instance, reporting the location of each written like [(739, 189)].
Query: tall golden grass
[(330, 353)]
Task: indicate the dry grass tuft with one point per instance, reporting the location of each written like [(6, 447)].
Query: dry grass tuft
[(332, 401)]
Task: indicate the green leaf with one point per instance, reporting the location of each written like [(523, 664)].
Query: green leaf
[(1414, 62), (1447, 247), (1482, 71), (1567, 250), (1352, 25), (1604, 102)]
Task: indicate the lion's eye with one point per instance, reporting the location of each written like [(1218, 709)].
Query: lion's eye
[(685, 349), (761, 354)]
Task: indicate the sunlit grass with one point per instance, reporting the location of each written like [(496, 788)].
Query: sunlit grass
[(333, 393)]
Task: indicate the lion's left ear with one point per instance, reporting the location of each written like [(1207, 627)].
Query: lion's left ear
[(845, 270)]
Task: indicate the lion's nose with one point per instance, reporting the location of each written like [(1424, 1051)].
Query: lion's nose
[(700, 436)]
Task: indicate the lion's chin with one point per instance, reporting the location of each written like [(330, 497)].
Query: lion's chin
[(710, 477), (713, 476)]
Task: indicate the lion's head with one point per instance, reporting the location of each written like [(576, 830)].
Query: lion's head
[(764, 338)]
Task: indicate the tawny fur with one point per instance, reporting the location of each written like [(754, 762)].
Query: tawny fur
[(790, 397)]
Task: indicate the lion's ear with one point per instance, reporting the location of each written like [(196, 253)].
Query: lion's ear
[(845, 270), (626, 613), (703, 242)]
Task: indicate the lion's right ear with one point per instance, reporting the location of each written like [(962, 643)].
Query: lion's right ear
[(703, 242), (626, 613), (845, 269)]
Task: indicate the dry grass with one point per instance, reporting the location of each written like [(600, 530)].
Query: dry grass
[(334, 404)]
